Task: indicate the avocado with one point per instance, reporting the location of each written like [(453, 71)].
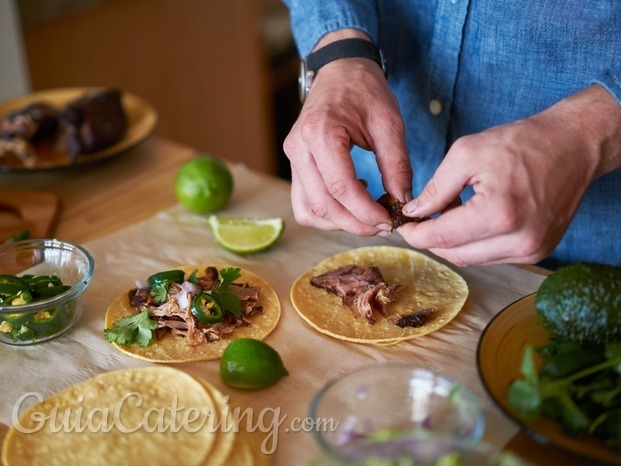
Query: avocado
[(582, 303)]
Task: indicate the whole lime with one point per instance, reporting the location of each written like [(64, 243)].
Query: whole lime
[(250, 363), (204, 184)]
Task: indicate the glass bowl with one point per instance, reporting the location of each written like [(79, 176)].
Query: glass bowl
[(433, 451), (42, 263), (382, 409)]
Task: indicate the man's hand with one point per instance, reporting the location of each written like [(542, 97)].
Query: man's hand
[(349, 103), (528, 177)]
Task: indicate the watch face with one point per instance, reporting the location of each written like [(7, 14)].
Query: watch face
[(302, 81), (305, 80)]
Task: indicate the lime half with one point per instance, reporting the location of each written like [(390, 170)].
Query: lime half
[(246, 235), (250, 363)]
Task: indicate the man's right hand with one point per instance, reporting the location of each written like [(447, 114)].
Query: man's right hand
[(350, 103)]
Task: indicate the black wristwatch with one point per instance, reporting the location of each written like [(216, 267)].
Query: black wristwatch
[(346, 48)]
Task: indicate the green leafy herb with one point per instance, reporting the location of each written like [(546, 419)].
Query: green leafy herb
[(20, 235), (228, 276), (226, 298), (159, 291), (579, 387), (229, 302), (132, 329)]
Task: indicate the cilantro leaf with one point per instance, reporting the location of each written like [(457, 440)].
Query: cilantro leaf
[(579, 387), (226, 299), (574, 419), (159, 291), (229, 302), (20, 235), (136, 328), (528, 368), (228, 276), (525, 397)]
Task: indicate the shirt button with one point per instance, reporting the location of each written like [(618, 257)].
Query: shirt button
[(435, 107)]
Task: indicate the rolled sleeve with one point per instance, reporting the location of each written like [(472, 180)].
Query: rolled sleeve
[(611, 80), (313, 19)]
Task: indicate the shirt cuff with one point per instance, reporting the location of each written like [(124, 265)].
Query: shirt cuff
[(312, 19), (611, 80)]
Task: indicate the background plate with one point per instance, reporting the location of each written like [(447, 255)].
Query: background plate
[(499, 358), (141, 121)]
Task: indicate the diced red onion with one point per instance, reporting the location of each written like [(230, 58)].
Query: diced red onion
[(190, 287), (142, 285), (182, 299)]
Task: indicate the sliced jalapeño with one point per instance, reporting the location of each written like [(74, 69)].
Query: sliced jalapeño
[(22, 333), (168, 276), (46, 323), (206, 309)]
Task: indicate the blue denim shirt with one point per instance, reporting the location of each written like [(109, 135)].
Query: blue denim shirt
[(460, 66)]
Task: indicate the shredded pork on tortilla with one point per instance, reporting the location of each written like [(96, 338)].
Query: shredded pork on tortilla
[(362, 290), (174, 314)]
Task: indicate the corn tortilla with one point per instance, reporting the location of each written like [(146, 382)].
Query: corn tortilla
[(224, 434), (131, 440), (234, 445), (429, 284), (174, 349)]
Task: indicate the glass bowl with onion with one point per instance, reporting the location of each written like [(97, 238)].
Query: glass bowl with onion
[(394, 413), (42, 288)]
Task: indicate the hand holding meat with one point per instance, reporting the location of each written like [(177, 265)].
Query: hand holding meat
[(528, 177), (349, 103)]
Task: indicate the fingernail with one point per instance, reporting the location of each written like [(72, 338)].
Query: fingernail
[(385, 227), (384, 234), (408, 196), (411, 207)]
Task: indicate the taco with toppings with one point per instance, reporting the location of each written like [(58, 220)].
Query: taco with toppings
[(379, 295), (191, 313)]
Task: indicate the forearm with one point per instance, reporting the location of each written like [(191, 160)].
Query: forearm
[(593, 118)]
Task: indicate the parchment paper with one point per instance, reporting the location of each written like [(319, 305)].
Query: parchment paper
[(175, 237)]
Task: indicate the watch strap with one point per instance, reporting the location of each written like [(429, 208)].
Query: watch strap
[(345, 48)]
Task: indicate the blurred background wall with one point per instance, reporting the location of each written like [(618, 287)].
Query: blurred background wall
[(221, 74), (14, 77)]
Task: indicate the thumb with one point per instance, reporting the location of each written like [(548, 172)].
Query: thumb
[(440, 193), (394, 164)]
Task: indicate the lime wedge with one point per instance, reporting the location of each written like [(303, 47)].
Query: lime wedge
[(246, 235)]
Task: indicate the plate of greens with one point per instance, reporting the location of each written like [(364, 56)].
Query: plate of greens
[(559, 393)]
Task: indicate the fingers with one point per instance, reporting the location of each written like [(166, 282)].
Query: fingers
[(449, 180), (302, 213), (455, 203), (388, 141), (314, 205), (477, 219), (459, 238), (504, 249), (339, 113), (335, 171)]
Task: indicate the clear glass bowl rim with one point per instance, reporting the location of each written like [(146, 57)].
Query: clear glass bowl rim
[(71, 293), (328, 448)]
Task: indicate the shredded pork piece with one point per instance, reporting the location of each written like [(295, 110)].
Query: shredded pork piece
[(361, 290), (416, 319)]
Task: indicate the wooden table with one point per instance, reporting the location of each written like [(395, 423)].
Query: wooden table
[(117, 192), (108, 195)]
